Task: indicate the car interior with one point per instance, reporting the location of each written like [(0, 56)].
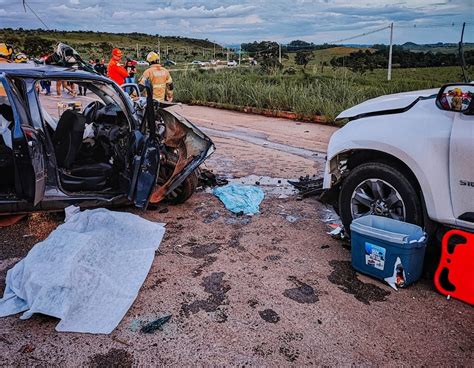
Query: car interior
[(91, 142)]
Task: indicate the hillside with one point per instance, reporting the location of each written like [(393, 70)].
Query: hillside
[(445, 48), (98, 44)]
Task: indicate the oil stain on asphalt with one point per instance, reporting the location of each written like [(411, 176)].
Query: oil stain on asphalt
[(217, 289), (113, 358), (269, 315), (345, 277), (302, 293)]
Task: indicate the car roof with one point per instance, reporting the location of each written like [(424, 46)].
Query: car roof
[(41, 71)]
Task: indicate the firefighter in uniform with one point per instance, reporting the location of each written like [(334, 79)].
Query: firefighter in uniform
[(6, 52), (159, 78), (115, 69)]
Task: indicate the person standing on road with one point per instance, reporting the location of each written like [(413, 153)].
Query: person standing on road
[(115, 69), (99, 67), (159, 78)]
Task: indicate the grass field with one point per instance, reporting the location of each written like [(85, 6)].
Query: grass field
[(310, 93)]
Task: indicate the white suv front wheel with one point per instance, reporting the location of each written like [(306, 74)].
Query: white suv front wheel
[(379, 189)]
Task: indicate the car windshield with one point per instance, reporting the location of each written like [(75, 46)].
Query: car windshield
[(56, 96)]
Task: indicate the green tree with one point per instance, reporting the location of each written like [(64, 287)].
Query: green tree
[(303, 58)]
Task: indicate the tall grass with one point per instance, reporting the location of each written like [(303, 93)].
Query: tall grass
[(304, 93)]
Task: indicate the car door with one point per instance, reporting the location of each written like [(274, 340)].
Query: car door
[(28, 149), (461, 167), (145, 159)]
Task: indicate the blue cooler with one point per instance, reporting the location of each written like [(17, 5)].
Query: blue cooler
[(388, 249)]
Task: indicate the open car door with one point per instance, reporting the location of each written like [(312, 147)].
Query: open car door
[(27, 145), (145, 157)]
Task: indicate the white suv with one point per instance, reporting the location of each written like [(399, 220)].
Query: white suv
[(408, 156)]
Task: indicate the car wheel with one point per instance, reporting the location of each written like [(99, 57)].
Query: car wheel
[(185, 190), (379, 189)]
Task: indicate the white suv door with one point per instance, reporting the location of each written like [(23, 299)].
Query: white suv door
[(461, 169)]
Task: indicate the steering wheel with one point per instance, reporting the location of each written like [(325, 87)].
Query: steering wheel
[(90, 111)]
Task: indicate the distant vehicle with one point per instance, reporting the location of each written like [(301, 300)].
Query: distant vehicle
[(232, 63), (213, 62), (169, 63), (143, 63), (199, 63), (406, 156)]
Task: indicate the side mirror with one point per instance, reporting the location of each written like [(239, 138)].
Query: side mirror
[(456, 97)]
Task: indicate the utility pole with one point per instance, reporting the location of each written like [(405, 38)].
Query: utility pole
[(227, 54), (202, 52), (167, 51), (389, 74), (138, 57), (159, 53), (240, 54), (279, 52), (214, 50)]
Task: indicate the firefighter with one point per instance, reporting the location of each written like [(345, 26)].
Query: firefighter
[(21, 58), (115, 69), (159, 78), (6, 52)]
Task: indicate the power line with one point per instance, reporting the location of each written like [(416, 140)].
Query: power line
[(26, 5), (360, 35)]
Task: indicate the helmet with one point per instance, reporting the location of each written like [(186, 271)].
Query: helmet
[(20, 58), (153, 57), (116, 52), (6, 51)]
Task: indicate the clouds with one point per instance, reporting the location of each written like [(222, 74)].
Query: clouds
[(229, 22)]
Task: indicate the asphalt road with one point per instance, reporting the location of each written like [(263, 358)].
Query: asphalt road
[(269, 290)]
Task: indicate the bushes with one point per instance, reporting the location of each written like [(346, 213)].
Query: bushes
[(307, 94)]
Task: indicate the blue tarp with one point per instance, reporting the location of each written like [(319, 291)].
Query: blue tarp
[(240, 198)]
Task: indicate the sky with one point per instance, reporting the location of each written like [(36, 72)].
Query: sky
[(230, 22)]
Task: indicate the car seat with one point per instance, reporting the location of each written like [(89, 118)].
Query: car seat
[(67, 141)]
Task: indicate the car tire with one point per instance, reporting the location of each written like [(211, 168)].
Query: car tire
[(185, 190), (392, 180)]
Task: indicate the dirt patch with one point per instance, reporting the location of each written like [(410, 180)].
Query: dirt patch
[(290, 353), (345, 276), (117, 358), (207, 262), (18, 239), (203, 250), (269, 315), (273, 257), (235, 240), (302, 293), (211, 217), (217, 288)]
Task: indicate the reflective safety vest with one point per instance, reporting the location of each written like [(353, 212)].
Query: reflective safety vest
[(161, 82)]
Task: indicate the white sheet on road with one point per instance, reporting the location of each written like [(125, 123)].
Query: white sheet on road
[(86, 273)]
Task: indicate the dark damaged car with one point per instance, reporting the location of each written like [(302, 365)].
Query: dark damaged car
[(105, 151)]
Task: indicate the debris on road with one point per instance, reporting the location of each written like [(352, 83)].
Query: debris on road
[(240, 199), (156, 324), (207, 179), (87, 272), (308, 186)]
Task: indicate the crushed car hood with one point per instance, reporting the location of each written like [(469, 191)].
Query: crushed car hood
[(395, 103)]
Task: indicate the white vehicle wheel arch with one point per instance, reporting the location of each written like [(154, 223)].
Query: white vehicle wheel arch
[(339, 165)]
